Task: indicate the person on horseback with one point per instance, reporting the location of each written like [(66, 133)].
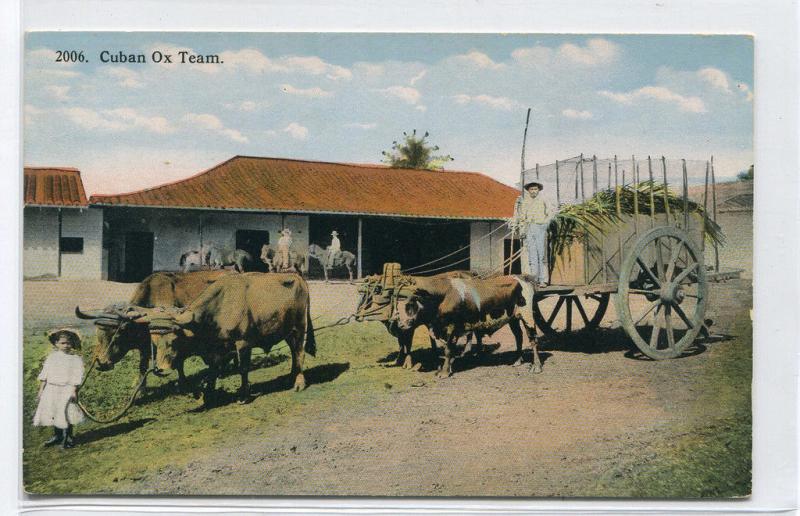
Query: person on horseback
[(334, 250), (284, 245)]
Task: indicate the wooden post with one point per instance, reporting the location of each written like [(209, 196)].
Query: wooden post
[(652, 195), (666, 187), (616, 186), (705, 209), (558, 187), (594, 174), (521, 184), (609, 176), (685, 197), (714, 205), (583, 194), (58, 247), (359, 269), (576, 180), (537, 171), (635, 195)]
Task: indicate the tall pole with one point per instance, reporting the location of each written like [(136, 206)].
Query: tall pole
[(714, 206), (594, 174), (652, 193), (521, 186), (359, 269), (685, 197), (705, 207), (666, 187)]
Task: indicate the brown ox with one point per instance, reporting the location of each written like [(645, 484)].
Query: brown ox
[(233, 315), (450, 306), (116, 334), (376, 305)]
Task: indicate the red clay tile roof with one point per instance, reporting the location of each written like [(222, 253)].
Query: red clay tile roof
[(54, 186), (273, 184)]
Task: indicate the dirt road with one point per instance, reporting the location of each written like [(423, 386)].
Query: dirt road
[(490, 430)]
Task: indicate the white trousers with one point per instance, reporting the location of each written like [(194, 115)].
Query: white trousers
[(536, 245)]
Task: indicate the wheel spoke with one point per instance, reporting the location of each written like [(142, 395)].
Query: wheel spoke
[(646, 269), (652, 305), (659, 261), (695, 296), (672, 259), (642, 291), (579, 306), (668, 326), (688, 270), (682, 315), (555, 311), (654, 336)]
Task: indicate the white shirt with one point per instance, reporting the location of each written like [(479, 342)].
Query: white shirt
[(336, 246)]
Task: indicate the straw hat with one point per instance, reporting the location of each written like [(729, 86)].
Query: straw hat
[(72, 334), (537, 183)]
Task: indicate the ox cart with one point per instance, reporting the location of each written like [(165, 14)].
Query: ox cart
[(623, 230)]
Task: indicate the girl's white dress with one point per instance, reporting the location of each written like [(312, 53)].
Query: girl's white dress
[(62, 372)]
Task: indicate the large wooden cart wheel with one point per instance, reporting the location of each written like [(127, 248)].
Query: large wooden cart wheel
[(581, 312), (662, 303)]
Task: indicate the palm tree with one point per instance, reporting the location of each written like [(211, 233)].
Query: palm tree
[(415, 152)]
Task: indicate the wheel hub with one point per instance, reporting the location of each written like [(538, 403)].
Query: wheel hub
[(671, 293)]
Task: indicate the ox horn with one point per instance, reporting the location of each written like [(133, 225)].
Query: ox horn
[(93, 314)]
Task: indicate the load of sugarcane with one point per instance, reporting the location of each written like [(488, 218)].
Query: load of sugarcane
[(608, 208)]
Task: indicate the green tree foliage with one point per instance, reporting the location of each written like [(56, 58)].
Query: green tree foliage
[(746, 175), (415, 152)]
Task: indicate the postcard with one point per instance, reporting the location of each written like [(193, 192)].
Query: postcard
[(383, 264)]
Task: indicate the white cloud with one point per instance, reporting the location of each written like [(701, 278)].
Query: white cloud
[(660, 94), (31, 113), (715, 77), (357, 125), (296, 131), (537, 56), (407, 94), (118, 119), (314, 92), (578, 115), (211, 123), (503, 103), (255, 61), (597, 51), (478, 60), (126, 77), (58, 92), (246, 105), (369, 69)]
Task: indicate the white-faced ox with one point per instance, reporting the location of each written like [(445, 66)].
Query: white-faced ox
[(375, 304), (234, 315), (452, 306), (117, 334)]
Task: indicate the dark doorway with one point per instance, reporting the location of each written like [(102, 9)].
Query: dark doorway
[(414, 243), (252, 240), (138, 255), (515, 266)]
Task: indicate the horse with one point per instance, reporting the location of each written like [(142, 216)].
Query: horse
[(220, 257), (274, 261), (344, 259), (191, 259)]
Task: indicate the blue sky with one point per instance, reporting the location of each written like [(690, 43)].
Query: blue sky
[(346, 97)]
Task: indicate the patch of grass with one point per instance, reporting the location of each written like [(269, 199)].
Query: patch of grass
[(701, 457), (164, 429)]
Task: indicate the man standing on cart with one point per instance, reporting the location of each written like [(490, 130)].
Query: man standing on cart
[(532, 216)]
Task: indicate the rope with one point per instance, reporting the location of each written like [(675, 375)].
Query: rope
[(502, 266), (458, 250), (118, 415)]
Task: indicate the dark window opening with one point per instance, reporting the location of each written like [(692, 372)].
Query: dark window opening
[(71, 245)]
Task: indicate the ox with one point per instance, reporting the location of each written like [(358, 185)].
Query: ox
[(451, 306), (233, 315), (116, 334), (377, 305)]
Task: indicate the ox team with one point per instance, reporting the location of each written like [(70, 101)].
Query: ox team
[(216, 314)]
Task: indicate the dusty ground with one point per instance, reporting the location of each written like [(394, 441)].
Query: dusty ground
[(491, 429)]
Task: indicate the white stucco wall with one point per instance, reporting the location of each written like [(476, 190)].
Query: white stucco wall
[(41, 246), (178, 231), (40, 242), (84, 223), (486, 252)]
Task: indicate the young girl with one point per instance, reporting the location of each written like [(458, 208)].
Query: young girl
[(61, 374)]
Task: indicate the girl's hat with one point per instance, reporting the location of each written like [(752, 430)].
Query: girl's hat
[(537, 183), (334, 233), (72, 334)]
